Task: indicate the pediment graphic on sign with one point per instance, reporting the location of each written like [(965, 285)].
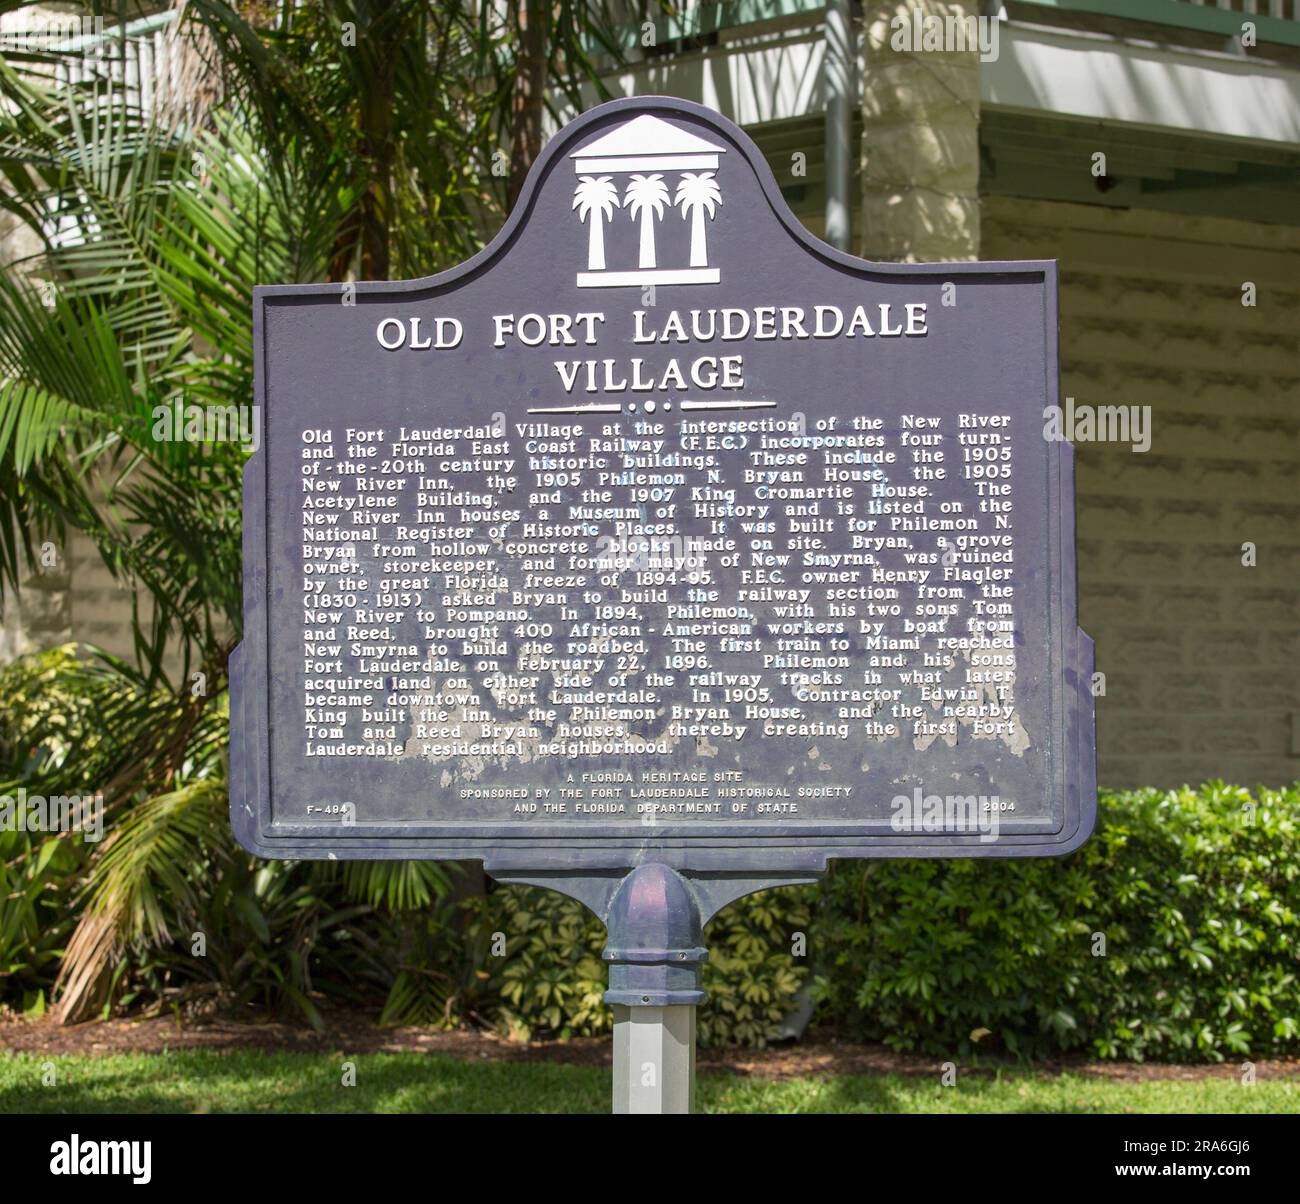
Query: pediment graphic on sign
[(655, 172)]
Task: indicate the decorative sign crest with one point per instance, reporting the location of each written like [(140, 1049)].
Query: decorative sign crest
[(767, 564), (638, 155)]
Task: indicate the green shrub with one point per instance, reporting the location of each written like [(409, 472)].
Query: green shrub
[(1172, 934), (551, 980), (751, 977), (39, 872), (1195, 895)]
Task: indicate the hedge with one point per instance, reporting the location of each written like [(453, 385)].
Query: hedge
[(1171, 935)]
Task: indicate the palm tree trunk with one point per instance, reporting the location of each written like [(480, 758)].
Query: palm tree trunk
[(378, 149), (699, 256), (647, 259), (596, 244), (527, 105), (362, 240)]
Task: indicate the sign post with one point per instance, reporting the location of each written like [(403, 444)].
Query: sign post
[(654, 953), (657, 555)]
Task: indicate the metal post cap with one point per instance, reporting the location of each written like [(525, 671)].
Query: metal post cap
[(655, 940)]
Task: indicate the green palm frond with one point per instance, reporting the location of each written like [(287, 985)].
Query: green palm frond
[(397, 885), (149, 867), (152, 862), (148, 268), (151, 236)]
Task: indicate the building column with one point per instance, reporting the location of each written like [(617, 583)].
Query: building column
[(920, 142)]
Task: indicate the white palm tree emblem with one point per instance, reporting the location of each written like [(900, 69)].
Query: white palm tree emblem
[(697, 194), (646, 196), (595, 199)]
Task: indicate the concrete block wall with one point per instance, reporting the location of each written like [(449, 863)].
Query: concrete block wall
[(1201, 654), (37, 615), (100, 604), (77, 598)]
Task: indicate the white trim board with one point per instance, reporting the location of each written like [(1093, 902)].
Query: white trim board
[(1097, 76), (775, 75)]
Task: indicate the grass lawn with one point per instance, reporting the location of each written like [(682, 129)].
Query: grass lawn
[(248, 1081)]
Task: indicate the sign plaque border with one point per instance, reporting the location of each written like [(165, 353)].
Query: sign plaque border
[(592, 866)]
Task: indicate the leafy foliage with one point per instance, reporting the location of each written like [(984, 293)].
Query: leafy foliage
[(423, 116), (1174, 934), (550, 980), (299, 154), (169, 911), (753, 976)]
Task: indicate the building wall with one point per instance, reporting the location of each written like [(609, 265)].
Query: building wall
[(1201, 654), (99, 604), (920, 161)]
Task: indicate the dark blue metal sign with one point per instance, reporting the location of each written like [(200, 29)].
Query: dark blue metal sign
[(661, 531)]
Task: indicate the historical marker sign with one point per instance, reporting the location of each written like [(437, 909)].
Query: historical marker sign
[(661, 529)]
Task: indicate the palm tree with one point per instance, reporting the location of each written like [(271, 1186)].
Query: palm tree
[(414, 114), (594, 199), (370, 160), (646, 196), (697, 193), (159, 274)]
